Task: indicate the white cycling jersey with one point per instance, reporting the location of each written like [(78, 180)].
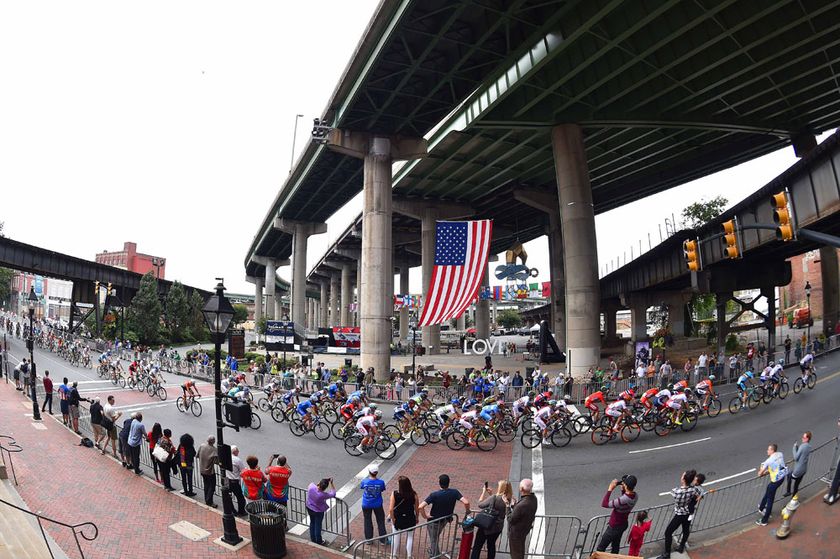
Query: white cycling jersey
[(364, 423), (676, 401), (615, 409)]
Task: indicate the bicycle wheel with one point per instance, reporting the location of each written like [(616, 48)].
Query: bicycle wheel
[(648, 422), (663, 427), (321, 431), (561, 437), (530, 438), (263, 404), (131, 383), (768, 396), (486, 441), (506, 432), (583, 424), (689, 421), (735, 405), (115, 380), (351, 444), (161, 392), (256, 421), (798, 385), (419, 436), (297, 428), (196, 410), (456, 440), (784, 390), (601, 435), (150, 389), (337, 431), (179, 404), (278, 415), (812, 380), (393, 432), (714, 408), (385, 449), (434, 433), (755, 399), (330, 415), (630, 432)]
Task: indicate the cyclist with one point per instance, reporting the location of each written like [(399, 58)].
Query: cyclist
[(616, 410), (591, 400), (366, 410), (675, 403), (806, 365), (776, 374), (520, 406), (705, 390), (239, 392), (449, 411), (361, 394), (190, 391), (467, 405), (628, 395), (366, 427), (490, 413), (336, 390), (468, 421), (133, 368), (543, 419), (155, 376), (403, 414), (680, 385), (661, 398), (765, 374), (308, 409), (646, 398), (743, 381)]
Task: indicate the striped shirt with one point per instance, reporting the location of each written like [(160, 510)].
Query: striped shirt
[(621, 505)]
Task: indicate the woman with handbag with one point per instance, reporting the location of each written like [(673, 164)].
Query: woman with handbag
[(402, 513), (153, 437), (163, 453), (490, 520)]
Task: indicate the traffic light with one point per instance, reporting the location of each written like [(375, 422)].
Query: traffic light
[(691, 250), (783, 216), (731, 238), (96, 287), (109, 288)]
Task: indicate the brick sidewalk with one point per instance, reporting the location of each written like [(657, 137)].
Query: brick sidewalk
[(73, 484), (814, 526)]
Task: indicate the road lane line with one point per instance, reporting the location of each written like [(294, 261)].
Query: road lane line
[(537, 543), (667, 446), (727, 478)]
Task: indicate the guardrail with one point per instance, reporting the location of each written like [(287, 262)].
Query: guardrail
[(8, 446), (434, 539), (78, 530)]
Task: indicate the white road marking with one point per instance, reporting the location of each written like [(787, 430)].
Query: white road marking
[(745, 472), (667, 446), (537, 543)]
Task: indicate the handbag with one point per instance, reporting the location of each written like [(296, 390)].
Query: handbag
[(106, 423), (160, 453), (487, 517)]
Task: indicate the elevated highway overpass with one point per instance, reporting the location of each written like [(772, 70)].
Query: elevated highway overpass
[(579, 106)]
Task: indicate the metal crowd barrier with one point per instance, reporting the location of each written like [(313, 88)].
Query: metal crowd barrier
[(433, 539)]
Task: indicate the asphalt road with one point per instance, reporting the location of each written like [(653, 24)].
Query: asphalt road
[(575, 477)]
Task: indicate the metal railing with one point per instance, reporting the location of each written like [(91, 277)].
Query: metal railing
[(8, 446), (78, 530), (433, 539)]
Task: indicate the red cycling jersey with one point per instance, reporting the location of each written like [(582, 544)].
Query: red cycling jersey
[(594, 397)]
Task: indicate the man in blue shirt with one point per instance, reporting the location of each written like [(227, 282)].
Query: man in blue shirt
[(372, 489), (136, 436), (441, 504)]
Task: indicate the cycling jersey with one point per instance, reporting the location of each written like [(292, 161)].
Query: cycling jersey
[(365, 423), (776, 371), (445, 411), (743, 380), (542, 416), (616, 408), (468, 418), (469, 404), (333, 389), (676, 401), (661, 396), (807, 359), (401, 410), (626, 395), (594, 397), (318, 395), (304, 407), (647, 396), (288, 397), (703, 387), (357, 394), (488, 412), (681, 384), (765, 374), (347, 410)]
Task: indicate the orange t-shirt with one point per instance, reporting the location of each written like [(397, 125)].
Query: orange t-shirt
[(278, 481), (252, 482)]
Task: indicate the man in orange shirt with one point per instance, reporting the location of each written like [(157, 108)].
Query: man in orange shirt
[(277, 488)]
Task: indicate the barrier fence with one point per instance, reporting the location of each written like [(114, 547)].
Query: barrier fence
[(432, 539)]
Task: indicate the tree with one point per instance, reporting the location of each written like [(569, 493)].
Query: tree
[(198, 329), (145, 310), (177, 314), (696, 214), (509, 318), (240, 314)]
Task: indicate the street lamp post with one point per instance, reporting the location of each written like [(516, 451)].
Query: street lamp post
[(30, 344), (413, 347), (810, 318), (218, 313)]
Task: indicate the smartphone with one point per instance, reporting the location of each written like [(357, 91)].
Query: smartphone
[(486, 485)]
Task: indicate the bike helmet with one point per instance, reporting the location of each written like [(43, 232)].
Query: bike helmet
[(377, 414), (532, 394), (313, 398), (372, 406), (605, 388), (711, 377), (339, 383), (455, 401), (750, 374), (782, 362), (552, 403), (771, 363)]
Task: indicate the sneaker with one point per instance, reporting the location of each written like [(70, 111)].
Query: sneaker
[(787, 494), (360, 449), (760, 522), (760, 510), (546, 442)]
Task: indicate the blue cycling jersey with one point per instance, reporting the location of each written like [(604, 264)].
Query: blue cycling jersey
[(332, 390), (287, 397), (356, 394), (303, 407)]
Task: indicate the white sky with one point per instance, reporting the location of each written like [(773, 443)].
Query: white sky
[(170, 124)]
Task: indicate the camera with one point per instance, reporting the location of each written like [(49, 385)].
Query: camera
[(623, 478)]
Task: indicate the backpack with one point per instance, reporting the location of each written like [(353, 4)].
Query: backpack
[(86, 442)]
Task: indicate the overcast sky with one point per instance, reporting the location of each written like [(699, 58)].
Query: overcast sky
[(170, 124)]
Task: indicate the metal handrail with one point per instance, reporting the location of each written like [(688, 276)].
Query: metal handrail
[(6, 450), (77, 529)]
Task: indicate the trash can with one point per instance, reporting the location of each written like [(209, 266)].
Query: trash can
[(268, 529)]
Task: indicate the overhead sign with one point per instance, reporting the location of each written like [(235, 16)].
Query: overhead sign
[(280, 334)]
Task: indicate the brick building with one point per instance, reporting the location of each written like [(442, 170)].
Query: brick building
[(129, 259), (805, 268)]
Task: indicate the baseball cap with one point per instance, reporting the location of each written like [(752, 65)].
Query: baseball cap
[(373, 470), (630, 482)]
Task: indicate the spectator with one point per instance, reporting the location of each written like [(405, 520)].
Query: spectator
[(165, 465), (683, 496), (48, 392), (64, 401), (621, 507), (135, 439), (154, 436), (109, 422), (703, 365), (801, 454), (441, 504), (774, 467), (521, 519), (124, 433), (186, 454), (496, 505), (233, 478), (73, 399), (253, 481), (316, 506), (689, 366), (787, 347), (372, 489), (665, 374), (699, 480), (17, 373), (208, 457), (403, 513), (278, 472), (96, 422), (832, 496), (637, 533)]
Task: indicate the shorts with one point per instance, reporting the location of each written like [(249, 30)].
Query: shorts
[(17, 374), (700, 391), (399, 415), (801, 366), (613, 413), (74, 412), (540, 423), (98, 431), (674, 405), (65, 407), (362, 430), (112, 433), (742, 385)]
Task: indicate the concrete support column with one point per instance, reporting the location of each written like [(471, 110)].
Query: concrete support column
[(270, 288), (300, 231), (494, 317), (357, 315), (461, 323), (335, 303), (279, 312), (580, 251), (557, 297), (324, 319), (258, 299), (403, 309), (482, 311), (830, 273), (638, 319), (676, 316), (428, 225), (346, 294), (610, 326)]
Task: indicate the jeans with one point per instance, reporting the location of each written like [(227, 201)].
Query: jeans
[(480, 538), (187, 480), (835, 483), (315, 521), (134, 451), (165, 470), (209, 487), (611, 538), (380, 521), (769, 497), (434, 534), (796, 482), (47, 402), (236, 491), (676, 522)]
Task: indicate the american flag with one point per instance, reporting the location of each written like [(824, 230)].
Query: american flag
[(461, 249)]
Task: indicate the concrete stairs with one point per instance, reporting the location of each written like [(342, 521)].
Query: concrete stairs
[(20, 537)]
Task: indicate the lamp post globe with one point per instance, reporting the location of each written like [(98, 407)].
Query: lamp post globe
[(30, 344), (218, 314)]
